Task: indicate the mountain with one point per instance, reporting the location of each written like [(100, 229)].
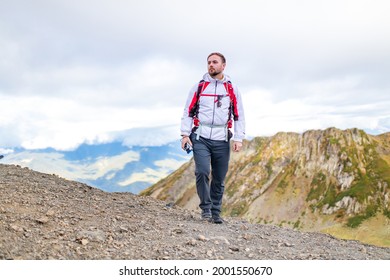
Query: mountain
[(112, 167), (333, 181), (45, 217)]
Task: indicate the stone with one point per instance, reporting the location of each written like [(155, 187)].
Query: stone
[(202, 238), (191, 242), (43, 220), (84, 241)]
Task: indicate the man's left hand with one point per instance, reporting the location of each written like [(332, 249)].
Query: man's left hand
[(237, 146)]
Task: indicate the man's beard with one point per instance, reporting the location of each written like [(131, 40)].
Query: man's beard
[(215, 73)]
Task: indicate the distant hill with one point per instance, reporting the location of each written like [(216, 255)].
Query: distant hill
[(333, 181), (112, 167)]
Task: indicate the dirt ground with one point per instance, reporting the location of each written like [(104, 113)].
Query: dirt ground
[(45, 217)]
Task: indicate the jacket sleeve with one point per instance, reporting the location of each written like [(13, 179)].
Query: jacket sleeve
[(186, 120), (239, 125)]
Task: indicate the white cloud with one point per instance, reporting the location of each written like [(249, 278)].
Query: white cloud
[(55, 163), (38, 122), (164, 167), (168, 164), (267, 116), (5, 151), (148, 175)]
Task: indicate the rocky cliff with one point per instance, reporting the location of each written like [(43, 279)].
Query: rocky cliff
[(334, 181)]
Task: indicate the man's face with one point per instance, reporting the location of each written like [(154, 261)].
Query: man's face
[(215, 65)]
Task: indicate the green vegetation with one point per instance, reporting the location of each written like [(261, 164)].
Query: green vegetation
[(383, 169), (318, 187), (354, 222), (333, 140), (281, 223), (238, 208), (259, 143), (268, 166), (282, 185), (297, 224), (233, 187), (321, 191), (360, 190), (284, 178), (330, 196), (386, 212)]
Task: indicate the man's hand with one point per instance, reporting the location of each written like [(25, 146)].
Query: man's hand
[(184, 140), (237, 146)]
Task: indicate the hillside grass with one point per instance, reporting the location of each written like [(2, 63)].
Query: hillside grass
[(378, 237)]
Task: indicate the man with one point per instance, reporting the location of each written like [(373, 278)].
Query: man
[(212, 106)]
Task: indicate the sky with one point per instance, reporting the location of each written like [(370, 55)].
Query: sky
[(97, 71)]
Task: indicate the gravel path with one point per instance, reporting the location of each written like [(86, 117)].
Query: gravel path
[(46, 217)]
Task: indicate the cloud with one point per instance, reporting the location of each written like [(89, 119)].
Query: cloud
[(93, 71), (267, 115), (149, 175), (38, 123), (55, 163)]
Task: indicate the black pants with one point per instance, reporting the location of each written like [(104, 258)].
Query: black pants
[(214, 154)]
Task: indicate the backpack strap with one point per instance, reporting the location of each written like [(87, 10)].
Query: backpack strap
[(233, 103), (193, 110)]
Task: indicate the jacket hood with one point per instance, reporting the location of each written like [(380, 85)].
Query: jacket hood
[(208, 78)]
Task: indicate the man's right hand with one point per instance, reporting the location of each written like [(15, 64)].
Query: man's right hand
[(184, 140)]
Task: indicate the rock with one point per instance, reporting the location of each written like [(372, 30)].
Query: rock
[(84, 241), (221, 239), (16, 228), (246, 236), (43, 220), (202, 238), (92, 235), (178, 231), (50, 213), (191, 242), (234, 249)]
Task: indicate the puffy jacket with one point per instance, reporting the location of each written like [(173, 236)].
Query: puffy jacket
[(213, 118)]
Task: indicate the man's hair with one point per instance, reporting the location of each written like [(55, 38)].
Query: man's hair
[(220, 55)]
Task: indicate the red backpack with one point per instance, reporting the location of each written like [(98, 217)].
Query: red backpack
[(194, 106)]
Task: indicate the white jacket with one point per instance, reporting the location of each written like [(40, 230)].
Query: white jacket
[(213, 119)]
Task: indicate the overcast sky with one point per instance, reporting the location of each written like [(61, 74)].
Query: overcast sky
[(93, 71)]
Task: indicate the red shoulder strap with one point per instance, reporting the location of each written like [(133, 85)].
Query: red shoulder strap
[(233, 100), (194, 106)]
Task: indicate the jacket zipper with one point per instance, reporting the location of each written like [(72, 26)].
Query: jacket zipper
[(212, 122)]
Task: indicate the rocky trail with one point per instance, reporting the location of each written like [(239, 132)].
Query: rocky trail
[(45, 217)]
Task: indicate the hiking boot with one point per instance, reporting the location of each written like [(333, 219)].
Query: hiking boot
[(206, 214), (216, 220)]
